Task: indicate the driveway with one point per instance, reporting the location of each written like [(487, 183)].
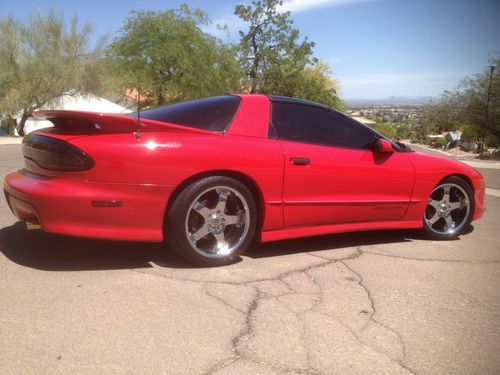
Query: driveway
[(371, 302)]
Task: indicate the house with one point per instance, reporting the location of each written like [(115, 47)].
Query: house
[(453, 137), (434, 137), (79, 102)]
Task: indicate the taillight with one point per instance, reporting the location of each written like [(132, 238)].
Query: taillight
[(54, 154)]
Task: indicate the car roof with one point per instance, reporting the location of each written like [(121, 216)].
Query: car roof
[(287, 99)]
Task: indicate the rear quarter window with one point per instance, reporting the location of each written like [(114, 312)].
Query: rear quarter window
[(213, 114)]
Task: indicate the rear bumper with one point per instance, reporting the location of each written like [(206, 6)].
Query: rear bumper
[(67, 205)]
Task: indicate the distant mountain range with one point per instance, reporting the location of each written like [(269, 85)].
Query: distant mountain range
[(392, 100)]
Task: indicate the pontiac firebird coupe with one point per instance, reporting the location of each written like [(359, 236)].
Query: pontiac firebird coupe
[(210, 175)]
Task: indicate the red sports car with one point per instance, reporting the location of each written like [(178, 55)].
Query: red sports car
[(210, 175)]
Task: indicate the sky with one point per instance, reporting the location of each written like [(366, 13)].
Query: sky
[(376, 48)]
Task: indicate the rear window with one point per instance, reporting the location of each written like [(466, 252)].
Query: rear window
[(214, 113)]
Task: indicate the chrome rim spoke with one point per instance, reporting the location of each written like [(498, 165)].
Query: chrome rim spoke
[(232, 219), (457, 205), (446, 193), (201, 209), (221, 204), (434, 203), (433, 219), (450, 224), (222, 245), (200, 233)]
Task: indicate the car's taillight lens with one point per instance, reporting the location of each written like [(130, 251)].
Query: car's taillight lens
[(54, 154)]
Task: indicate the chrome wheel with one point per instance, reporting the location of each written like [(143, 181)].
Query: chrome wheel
[(217, 221), (447, 209)]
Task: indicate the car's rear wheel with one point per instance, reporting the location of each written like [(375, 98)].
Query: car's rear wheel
[(449, 209), (212, 221)]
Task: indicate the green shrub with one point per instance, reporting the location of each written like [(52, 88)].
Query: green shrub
[(403, 131), (440, 143), (386, 130)]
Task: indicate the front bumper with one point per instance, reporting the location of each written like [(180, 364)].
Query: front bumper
[(66, 205), (479, 198)]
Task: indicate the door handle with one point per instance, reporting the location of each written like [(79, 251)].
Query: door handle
[(300, 161)]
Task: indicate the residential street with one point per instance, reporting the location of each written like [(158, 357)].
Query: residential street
[(385, 302)]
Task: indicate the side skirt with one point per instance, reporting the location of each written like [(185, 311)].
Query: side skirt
[(288, 233)]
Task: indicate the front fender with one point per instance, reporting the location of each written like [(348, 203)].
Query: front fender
[(430, 170)]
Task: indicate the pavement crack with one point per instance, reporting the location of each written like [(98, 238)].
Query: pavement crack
[(358, 339), (220, 365), (390, 255), (318, 256), (359, 252), (360, 282), (219, 299), (247, 329), (371, 318)]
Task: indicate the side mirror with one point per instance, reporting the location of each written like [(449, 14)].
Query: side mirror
[(383, 146)]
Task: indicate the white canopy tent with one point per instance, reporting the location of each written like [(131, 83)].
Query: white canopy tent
[(76, 102)]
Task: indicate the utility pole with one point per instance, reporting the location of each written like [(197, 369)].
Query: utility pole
[(492, 69)]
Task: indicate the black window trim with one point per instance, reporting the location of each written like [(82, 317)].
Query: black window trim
[(230, 122)]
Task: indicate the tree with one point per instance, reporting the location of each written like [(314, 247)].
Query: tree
[(275, 59), (270, 48), (170, 58), (404, 131), (472, 96), (444, 116), (385, 129), (42, 60), (465, 108), (313, 83)]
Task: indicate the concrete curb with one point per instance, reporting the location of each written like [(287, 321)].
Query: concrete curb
[(11, 140), (493, 192), (482, 164)]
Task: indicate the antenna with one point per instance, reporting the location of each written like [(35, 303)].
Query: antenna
[(138, 132), (139, 103)]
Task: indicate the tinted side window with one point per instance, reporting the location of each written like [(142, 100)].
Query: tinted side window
[(214, 114), (350, 134), (319, 126)]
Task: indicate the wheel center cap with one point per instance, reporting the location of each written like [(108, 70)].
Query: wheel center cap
[(444, 209), (215, 223)]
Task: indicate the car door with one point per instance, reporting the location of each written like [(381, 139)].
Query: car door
[(332, 176)]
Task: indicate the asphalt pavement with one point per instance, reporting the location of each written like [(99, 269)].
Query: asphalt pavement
[(386, 302)]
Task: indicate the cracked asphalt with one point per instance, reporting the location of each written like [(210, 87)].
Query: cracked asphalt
[(385, 302)]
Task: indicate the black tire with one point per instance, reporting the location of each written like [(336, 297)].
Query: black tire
[(463, 216), (187, 208)]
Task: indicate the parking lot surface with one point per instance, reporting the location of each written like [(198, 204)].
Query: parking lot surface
[(385, 302)]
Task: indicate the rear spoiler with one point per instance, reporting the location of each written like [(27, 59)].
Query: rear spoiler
[(98, 123)]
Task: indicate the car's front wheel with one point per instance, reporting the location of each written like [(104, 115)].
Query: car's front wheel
[(449, 209), (212, 221)]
